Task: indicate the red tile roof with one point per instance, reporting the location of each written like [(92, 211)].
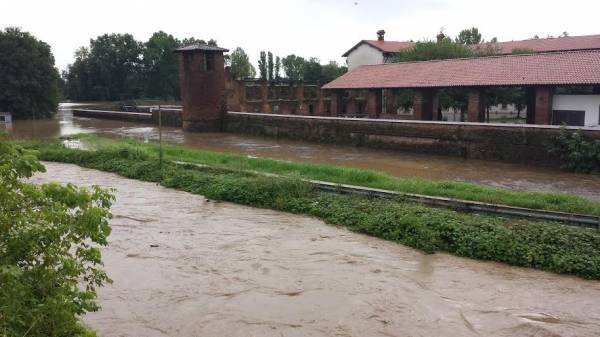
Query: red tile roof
[(384, 46), (569, 43), (586, 42), (562, 68)]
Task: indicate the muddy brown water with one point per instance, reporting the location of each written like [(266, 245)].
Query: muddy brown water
[(221, 269), (513, 176)]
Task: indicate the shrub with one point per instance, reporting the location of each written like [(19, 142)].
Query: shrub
[(576, 152), (49, 256)]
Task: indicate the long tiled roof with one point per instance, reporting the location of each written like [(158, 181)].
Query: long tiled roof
[(569, 43), (561, 68), (585, 42)]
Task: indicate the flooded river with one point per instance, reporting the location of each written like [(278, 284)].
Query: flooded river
[(498, 174), (186, 266)]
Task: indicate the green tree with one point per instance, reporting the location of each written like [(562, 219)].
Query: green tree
[(270, 65), (49, 250), (262, 66), (293, 66), (432, 50), (331, 71), (192, 41), (277, 67), (28, 78), (161, 68), (469, 37), (312, 70), (240, 65)]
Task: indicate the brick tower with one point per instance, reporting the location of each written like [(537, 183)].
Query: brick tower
[(202, 81)]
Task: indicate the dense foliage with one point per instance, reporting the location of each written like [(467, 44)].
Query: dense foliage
[(49, 256), (117, 67), (576, 152), (544, 245), (240, 65), (28, 79)]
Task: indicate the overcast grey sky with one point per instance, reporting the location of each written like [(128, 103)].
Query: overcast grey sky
[(320, 28)]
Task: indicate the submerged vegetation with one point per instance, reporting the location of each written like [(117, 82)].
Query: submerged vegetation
[(543, 245)]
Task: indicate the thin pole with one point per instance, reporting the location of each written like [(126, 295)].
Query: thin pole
[(160, 151)]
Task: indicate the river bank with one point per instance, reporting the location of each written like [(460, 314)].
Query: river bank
[(183, 265), (537, 244)]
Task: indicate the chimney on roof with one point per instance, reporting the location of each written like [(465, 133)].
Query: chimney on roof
[(380, 35)]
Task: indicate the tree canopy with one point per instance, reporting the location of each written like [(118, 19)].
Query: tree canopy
[(434, 50), (50, 263), (28, 78), (240, 65), (117, 67)]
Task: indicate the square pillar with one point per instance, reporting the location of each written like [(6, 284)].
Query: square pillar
[(373, 103), (543, 105), (302, 110), (242, 95), (351, 103), (476, 106), (264, 97), (334, 103), (390, 101), (319, 108), (425, 104)]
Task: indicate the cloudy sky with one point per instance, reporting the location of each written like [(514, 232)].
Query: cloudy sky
[(320, 28)]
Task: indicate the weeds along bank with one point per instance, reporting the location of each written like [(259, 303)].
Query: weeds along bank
[(542, 245), (352, 176)]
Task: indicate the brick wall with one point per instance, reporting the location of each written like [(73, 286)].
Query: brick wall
[(523, 144)]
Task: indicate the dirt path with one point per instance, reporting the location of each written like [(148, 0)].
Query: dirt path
[(227, 270)]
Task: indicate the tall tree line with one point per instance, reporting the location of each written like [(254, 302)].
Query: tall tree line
[(29, 81), (117, 67), (297, 68)]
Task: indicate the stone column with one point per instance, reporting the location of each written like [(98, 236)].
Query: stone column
[(264, 97), (242, 95), (334, 103), (476, 106), (425, 104), (302, 110), (543, 105), (319, 105), (351, 103), (373, 106), (390, 101)]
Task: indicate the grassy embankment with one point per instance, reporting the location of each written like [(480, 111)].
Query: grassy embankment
[(343, 175), (543, 245)]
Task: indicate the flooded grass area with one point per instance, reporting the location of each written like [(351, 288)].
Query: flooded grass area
[(185, 265), (461, 190)]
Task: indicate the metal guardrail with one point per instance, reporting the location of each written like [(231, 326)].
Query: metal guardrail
[(580, 220)]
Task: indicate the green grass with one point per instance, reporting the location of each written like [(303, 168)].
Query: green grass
[(542, 245), (452, 189)]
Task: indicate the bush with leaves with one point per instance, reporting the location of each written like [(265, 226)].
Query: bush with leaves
[(576, 152), (50, 262)]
